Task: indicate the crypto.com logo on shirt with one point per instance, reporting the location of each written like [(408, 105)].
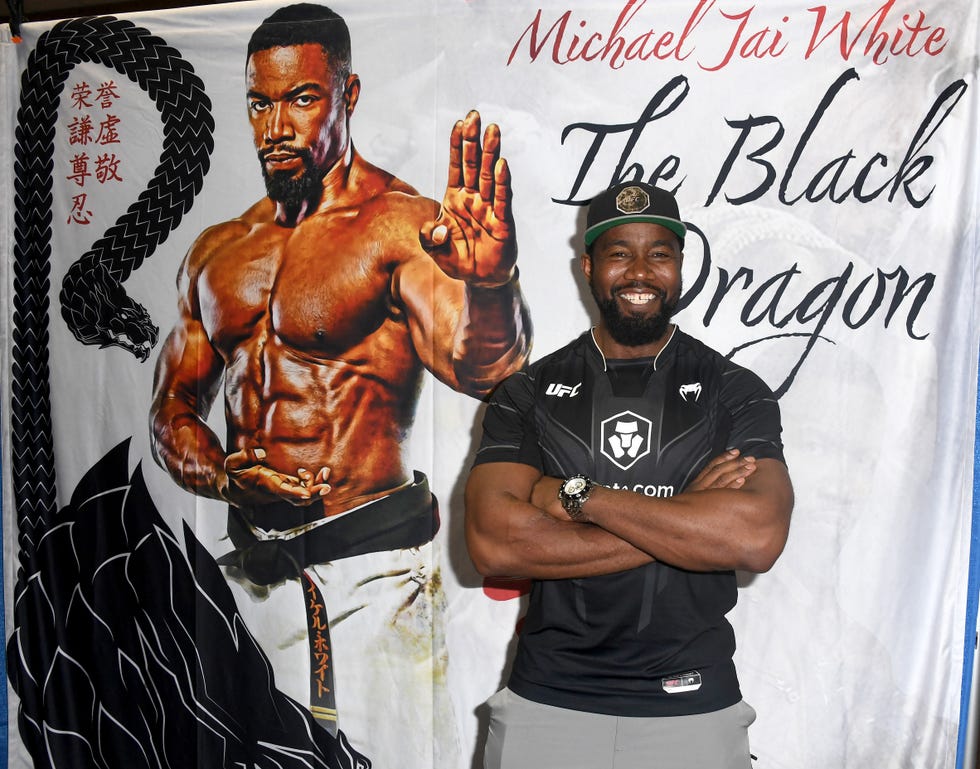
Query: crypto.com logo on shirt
[(625, 439)]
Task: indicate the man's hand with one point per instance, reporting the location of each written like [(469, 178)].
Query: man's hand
[(474, 239), (544, 496), (726, 471), (250, 482)]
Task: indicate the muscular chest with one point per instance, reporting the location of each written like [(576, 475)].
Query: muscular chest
[(319, 292), (646, 431)]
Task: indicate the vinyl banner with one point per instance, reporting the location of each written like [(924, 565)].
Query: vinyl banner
[(237, 429)]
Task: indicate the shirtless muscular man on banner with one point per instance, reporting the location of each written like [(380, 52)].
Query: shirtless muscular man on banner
[(318, 311)]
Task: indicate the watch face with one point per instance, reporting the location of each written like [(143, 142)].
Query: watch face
[(574, 486)]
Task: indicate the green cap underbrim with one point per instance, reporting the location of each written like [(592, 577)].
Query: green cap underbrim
[(675, 226)]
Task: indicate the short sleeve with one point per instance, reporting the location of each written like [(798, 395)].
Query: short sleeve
[(509, 434), (756, 428)]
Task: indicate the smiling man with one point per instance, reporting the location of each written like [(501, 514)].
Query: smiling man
[(629, 474), (316, 313)]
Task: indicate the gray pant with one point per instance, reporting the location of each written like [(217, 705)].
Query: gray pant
[(529, 735)]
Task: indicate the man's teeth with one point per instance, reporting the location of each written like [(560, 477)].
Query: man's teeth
[(638, 298)]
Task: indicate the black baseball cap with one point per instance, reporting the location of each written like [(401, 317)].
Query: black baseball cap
[(632, 202)]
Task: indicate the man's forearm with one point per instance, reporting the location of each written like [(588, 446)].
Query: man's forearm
[(508, 537), (548, 549), (493, 337), (714, 529), (186, 448)]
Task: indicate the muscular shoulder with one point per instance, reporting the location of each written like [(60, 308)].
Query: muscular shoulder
[(379, 192), (213, 240), (217, 236), (377, 212), (510, 425), (402, 206), (382, 231), (749, 402), (367, 180), (694, 355)]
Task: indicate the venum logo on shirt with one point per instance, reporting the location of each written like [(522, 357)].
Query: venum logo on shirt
[(690, 392), (625, 439)]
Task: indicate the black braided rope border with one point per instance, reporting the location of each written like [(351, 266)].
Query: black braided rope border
[(188, 127)]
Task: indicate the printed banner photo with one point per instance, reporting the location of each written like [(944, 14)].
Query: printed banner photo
[(242, 395)]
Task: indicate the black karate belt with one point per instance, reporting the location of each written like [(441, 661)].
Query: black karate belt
[(323, 697), (408, 517)]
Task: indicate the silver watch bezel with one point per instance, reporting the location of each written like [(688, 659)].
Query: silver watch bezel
[(572, 501)]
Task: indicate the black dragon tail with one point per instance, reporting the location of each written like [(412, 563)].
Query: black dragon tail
[(94, 304)]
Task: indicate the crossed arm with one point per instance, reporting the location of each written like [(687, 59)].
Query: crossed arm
[(735, 515)]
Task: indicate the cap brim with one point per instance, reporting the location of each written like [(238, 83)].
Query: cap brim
[(674, 225)]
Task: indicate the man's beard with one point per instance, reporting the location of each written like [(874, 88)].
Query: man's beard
[(290, 189), (631, 330)]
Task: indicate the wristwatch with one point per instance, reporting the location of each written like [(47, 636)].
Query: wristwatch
[(573, 493)]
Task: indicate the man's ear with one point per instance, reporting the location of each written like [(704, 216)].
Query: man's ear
[(585, 262), (352, 89)]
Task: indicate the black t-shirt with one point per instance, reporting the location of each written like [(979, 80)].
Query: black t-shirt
[(618, 643)]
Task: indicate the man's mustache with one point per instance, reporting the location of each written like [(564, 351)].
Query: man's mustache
[(285, 149), (648, 288)]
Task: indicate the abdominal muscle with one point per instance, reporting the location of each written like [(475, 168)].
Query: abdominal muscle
[(350, 416)]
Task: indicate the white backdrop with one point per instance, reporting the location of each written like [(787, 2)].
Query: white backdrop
[(827, 157)]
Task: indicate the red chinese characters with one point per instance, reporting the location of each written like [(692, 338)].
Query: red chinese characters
[(91, 124)]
